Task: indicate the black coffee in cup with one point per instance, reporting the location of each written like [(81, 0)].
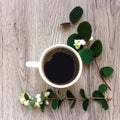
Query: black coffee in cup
[(60, 66)]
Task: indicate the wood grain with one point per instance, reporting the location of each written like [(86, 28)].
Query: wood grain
[(27, 28)]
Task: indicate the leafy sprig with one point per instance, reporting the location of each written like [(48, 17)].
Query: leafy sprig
[(44, 99), (89, 54)]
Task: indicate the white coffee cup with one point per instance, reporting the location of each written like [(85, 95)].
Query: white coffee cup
[(49, 53)]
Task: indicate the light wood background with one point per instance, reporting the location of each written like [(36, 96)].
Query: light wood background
[(27, 28)]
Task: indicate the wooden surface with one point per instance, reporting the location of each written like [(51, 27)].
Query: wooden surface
[(27, 28)]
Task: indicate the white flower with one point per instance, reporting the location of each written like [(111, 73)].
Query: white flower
[(91, 38), (41, 103), (82, 42), (22, 100), (26, 102), (46, 94), (47, 102), (38, 95), (38, 99), (22, 95), (37, 104), (78, 43)]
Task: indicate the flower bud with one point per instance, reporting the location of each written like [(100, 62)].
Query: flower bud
[(36, 104), (46, 94), (26, 103), (22, 100), (47, 102), (38, 99), (38, 95)]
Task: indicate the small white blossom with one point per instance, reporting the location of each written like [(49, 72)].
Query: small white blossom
[(46, 94), (38, 95), (22, 95), (91, 38), (82, 42), (26, 102), (41, 103), (78, 43), (37, 104), (38, 99), (22, 100), (47, 102), (77, 46)]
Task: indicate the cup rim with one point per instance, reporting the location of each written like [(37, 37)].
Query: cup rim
[(57, 85)]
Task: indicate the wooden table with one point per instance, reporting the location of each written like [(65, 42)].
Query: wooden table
[(27, 28)]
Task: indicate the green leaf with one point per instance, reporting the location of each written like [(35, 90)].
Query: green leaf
[(103, 88), (105, 105), (52, 94), (85, 104), (106, 71), (60, 102), (30, 105), (84, 30), (84, 94), (73, 104), (97, 48), (87, 55), (33, 101), (65, 24), (70, 94), (60, 95), (54, 104), (42, 107), (42, 96), (76, 14), (102, 102), (71, 38), (26, 96), (97, 93)]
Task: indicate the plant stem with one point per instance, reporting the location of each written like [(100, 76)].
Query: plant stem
[(81, 99), (101, 75), (99, 70)]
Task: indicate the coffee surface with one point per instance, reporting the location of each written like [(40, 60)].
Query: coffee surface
[(60, 68)]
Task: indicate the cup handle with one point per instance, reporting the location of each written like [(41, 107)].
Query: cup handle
[(32, 64)]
